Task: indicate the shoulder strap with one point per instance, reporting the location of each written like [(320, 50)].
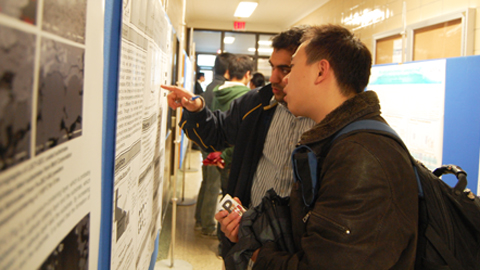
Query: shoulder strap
[(368, 124)]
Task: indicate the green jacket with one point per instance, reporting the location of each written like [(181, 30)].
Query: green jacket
[(221, 101)]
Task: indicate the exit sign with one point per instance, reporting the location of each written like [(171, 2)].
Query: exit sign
[(238, 25)]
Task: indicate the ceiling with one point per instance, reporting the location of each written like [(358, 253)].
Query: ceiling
[(269, 16)]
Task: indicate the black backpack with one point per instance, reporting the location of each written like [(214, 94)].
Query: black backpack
[(449, 218)]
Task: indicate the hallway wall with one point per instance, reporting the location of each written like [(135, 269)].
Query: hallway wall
[(341, 11)]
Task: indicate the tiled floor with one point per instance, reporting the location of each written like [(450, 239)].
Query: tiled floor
[(191, 249)]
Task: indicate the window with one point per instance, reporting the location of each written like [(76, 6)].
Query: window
[(212, 42), (449, 35), (207, 41), (239, 43)]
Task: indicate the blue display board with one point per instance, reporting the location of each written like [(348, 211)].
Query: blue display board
[(462, 113), (433, 105)]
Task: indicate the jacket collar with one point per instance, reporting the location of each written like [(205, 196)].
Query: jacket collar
[(265, 93), (359, 106)]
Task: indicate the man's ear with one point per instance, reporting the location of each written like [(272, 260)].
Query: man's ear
[(248, 74), (227, 75), (323, 67)]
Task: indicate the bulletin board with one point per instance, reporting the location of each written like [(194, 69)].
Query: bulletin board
[(433, 106), (133, 216), (51, 100), (386, 49), (82, 132), (449, 35), (438, 41)]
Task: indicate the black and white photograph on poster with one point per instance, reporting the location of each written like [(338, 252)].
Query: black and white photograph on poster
[(65, 18), (24, 10), (60, 97), (122, 217), (72, 252), (17, 52)]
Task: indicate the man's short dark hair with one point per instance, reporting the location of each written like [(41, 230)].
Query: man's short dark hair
[(221, 63), (349, 58), (258, 79), (200, 75), (289, 40), (239, 65)]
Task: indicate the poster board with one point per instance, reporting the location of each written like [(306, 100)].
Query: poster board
[(51, 70), (433, 106), (140, 134)]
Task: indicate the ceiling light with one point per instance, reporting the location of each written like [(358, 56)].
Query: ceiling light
[(228, 40), (265, 50), (262, 50), (245, 9), (265, 42)]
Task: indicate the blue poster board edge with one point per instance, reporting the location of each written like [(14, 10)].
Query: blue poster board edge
[(112, 33), (461, 135)]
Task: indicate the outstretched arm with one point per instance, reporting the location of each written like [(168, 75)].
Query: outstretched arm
[(180, 97)]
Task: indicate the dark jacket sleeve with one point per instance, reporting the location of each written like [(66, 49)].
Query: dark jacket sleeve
[(217, 130), (365, 214)]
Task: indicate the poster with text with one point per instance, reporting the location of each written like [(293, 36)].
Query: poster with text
[(412, 100), (51, 107), (139, 158)]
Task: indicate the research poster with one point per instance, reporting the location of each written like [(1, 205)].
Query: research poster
[(140, 134), (412, 100), (51, 107)]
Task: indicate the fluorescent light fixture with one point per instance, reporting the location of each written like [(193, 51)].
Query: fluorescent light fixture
[(262, 50), (265, 42), (228, 40), (245, 9), (265, 50)]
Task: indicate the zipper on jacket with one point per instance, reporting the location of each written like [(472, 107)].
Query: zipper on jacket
[(341, 228), (307, 216)]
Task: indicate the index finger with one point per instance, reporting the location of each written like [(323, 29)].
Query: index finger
[(168, 87), (178, 90)]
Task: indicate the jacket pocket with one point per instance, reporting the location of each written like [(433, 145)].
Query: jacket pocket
[(328, 228)]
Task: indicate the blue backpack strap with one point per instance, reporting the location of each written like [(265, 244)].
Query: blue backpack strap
[(366, 125), (369, 124)]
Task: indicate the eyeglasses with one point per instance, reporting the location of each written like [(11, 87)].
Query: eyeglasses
[(305, 163)]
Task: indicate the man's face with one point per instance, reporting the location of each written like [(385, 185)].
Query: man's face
[(280, 63), (299, 92)]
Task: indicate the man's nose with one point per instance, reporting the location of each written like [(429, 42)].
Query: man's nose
[(276, 76)]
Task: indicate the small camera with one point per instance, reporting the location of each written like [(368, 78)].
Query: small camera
[(229, 204)]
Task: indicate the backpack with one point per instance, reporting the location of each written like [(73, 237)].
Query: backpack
[(449, 218)]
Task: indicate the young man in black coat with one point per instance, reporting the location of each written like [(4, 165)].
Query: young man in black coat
[(364, 215), (260, 127)]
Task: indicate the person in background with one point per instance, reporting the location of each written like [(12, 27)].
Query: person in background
[(261, 128), (365, 213), (257, 80), (210, 186), (239, 71), (198, 83), (220, 75)]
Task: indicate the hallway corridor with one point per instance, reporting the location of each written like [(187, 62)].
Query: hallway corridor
[(190, 246)]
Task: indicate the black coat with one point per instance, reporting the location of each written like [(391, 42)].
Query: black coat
[(365, 214), (245, 125)]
